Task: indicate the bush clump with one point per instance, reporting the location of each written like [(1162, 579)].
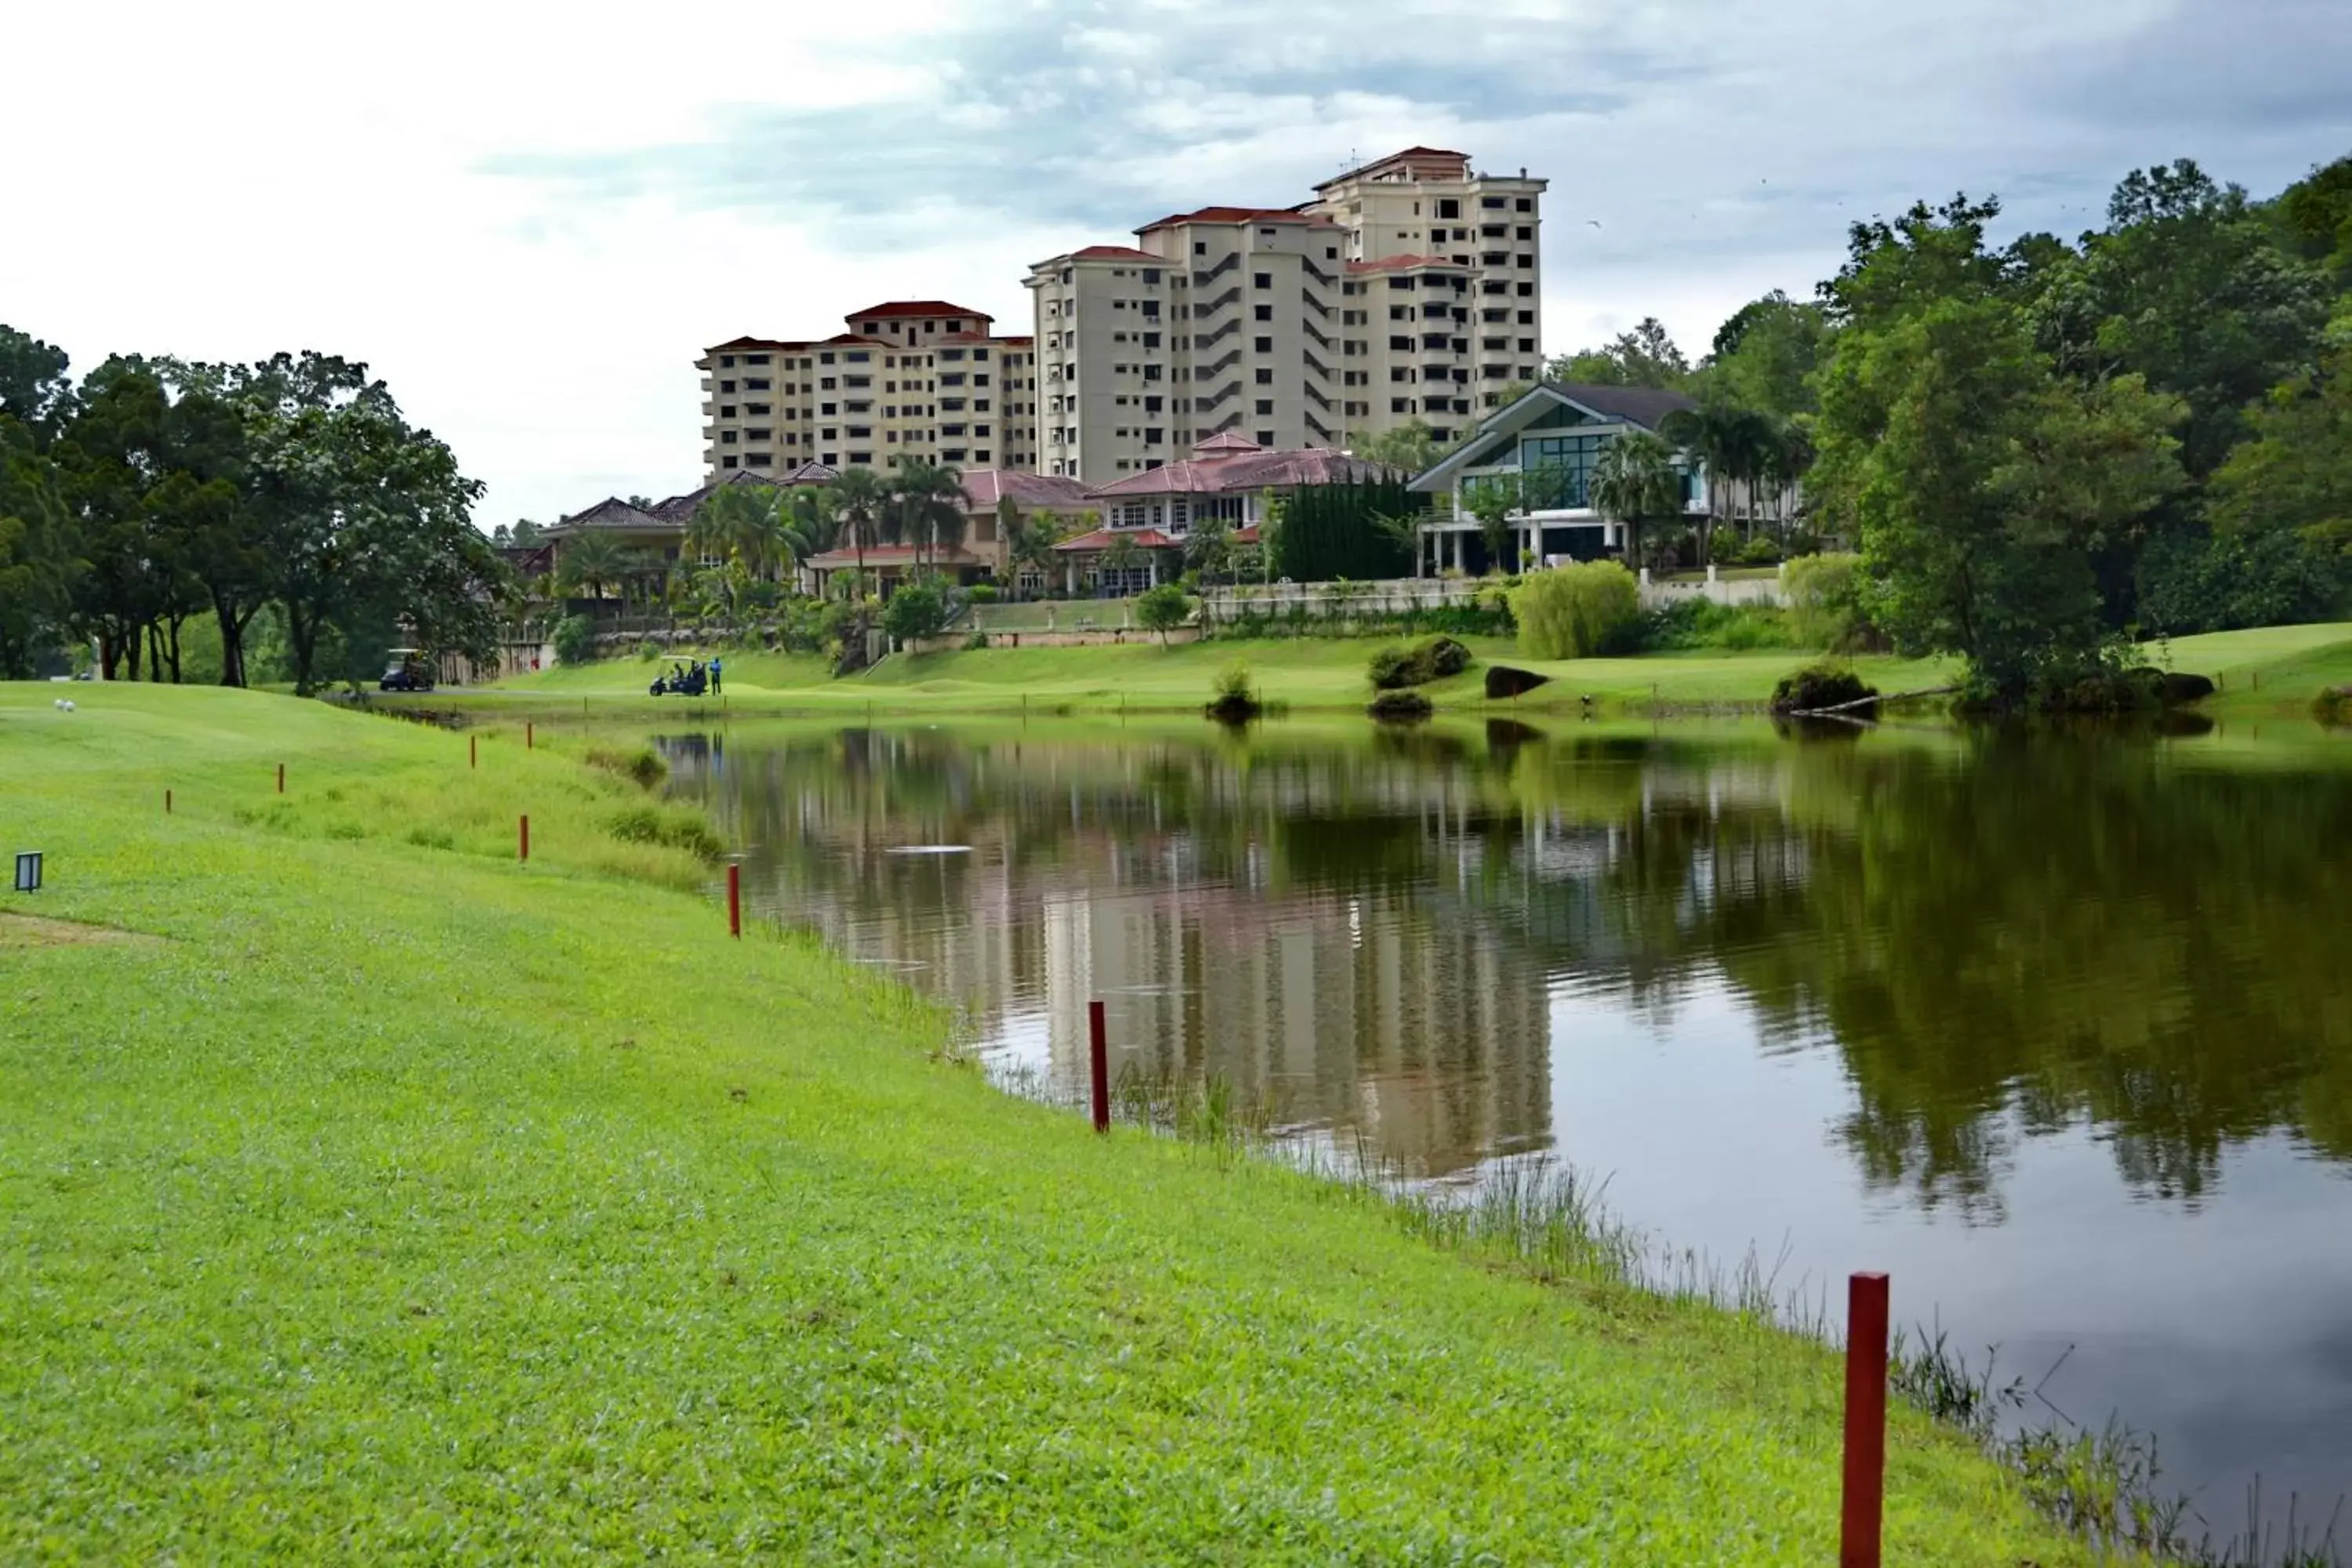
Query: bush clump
[(915, 610), (676, 829), (1825, 608), (1575, 611), (1393, 668), (643, 764), (1236, 696), (1819, 686), (1401, 708), (575, 640), (981, 593), (2333, 706)]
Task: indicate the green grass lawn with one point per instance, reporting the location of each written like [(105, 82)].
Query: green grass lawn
[(370, 1196), (2275, 667)]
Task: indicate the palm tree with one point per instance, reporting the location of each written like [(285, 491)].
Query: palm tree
[(1121, 555), (812, 526), (860, 498), (1029, 542), (590, 561), (926, 502), (1634, 482)]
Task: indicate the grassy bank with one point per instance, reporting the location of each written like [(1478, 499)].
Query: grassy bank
[(2277, 668), (372, 1196)]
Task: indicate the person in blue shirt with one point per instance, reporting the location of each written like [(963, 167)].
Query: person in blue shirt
[(714, 678)]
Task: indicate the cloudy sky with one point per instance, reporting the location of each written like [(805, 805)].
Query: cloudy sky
[(529, 219)]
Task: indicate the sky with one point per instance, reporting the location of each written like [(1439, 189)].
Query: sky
[(530, 222)]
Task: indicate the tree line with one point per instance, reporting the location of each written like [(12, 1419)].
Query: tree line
[(156, 493), (2043, 449)]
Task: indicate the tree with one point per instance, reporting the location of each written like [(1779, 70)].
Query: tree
[(1575, 611), (590, 562), (1029, 542), (1646, 357), (916, 610), (2295, 475), (1122, 554), (925, 507), (1765, 356), (1411, 447), (2186, 289), (858, 498), (1979, 484), (36, 565), (35, 389), (1495, 499), (1162, 609), (1209, 548), (1635, 482), (2316, 212)]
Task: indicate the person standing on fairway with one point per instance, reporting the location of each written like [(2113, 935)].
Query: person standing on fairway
[(714, 677)]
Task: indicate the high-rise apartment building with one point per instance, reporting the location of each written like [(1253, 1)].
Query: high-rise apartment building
[(1409, 288), (910, 378)]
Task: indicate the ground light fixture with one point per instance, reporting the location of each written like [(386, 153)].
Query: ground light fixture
[(28, 870)]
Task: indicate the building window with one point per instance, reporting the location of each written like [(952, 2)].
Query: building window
[(727, 438), (1401, 340), (759, 459), (755, 359), (726, 387), (864, 457), (1265, 438), (727, 361), (1526, 204), (1261, 345), (728, 461), (1262, 312), (1261, 279), (727, 410), (1492, 203), (1264, 405), (759, 434), (1527, 318), (1526, 291), (756, 408), (1449, 207), (1264, 375)]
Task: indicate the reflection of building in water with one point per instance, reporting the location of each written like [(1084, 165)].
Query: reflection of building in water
[(1428, 1042)]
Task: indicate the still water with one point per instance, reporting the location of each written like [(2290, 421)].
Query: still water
[(2056, 1029)]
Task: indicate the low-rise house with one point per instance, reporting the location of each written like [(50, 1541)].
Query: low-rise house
[(1552, 438), (982, 549), (1228, 477)]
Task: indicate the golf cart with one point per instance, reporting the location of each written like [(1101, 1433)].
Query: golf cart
[(410, 670)]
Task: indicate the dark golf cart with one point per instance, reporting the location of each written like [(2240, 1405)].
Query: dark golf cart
[(410, 670)]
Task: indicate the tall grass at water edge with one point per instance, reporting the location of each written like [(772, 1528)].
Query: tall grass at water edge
[(2105, 1484)]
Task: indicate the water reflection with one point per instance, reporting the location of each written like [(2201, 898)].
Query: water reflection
[(2058, 1027)]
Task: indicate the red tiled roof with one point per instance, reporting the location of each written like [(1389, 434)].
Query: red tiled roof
[(894, 309), (1227, 441), (1416, 155), (734, 343), (1150, 538), (610, 512), (1236, 215), (1403, 263), (986, 487), (1245, 471), (1018, 342), (1114, 253), (896, 555), (857, 341)]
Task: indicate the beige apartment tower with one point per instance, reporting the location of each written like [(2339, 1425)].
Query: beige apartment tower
[(1409, 288), (909, 378)]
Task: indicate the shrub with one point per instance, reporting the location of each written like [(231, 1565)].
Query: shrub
[(1826, 603), (1392, 668), (678, 829), (1572, 612), (647, 652), (981, 593), (644, 764), (1401, 708), (1819, 686), (914, 611), (1723, 546), (2333, 706), (1762, 550), (1162, 609), (1701, 623), (575, 640), (1444, 657), (976, 641), (1236, 698)]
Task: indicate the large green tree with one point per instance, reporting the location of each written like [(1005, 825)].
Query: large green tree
[(1765, 356), (1646, 356)]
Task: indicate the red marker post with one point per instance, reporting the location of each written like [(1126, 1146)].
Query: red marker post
[(1098, 1065), (1865, 1422), (734, 900), (522, 838)]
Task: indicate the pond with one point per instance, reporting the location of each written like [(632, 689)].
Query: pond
[(2057, 1029)]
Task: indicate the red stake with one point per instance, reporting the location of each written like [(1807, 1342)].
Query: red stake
[(281, 778), (1099, 1066), (523, 833), (1866, 1421), (473, 751), (734, 900)]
